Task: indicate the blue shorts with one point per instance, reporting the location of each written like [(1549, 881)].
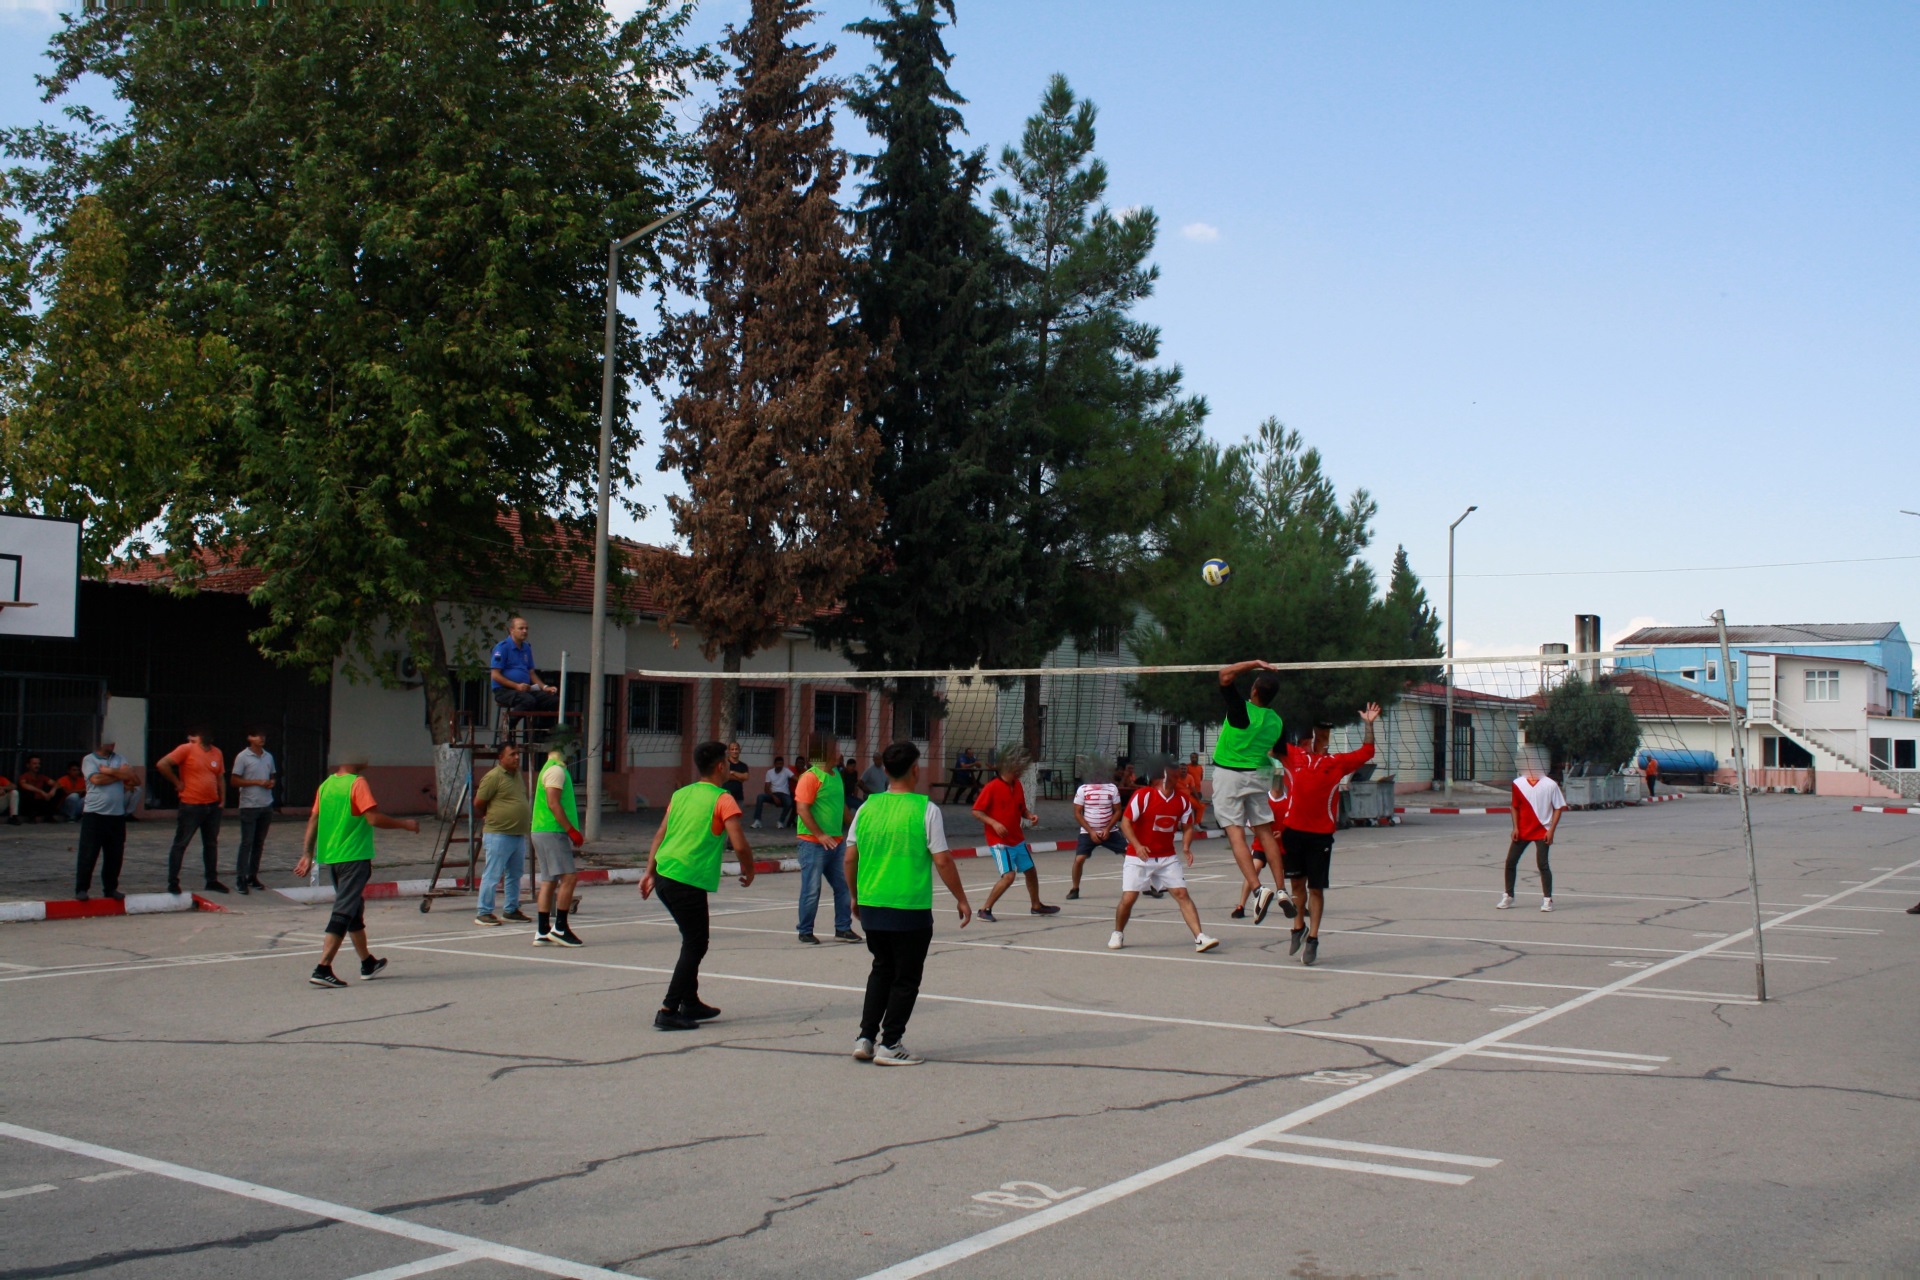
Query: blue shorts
[(1012, 857)]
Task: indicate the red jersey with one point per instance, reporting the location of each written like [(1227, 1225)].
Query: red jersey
[(1279, 806), (1534, 804), (1156, 819), (1313, 786), (1006, 802)]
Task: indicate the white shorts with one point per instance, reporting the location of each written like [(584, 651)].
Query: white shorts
[(1140, 874), (1240, 799)]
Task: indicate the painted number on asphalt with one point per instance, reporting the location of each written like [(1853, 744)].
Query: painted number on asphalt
[(1017, 1195), (1344, 1079)]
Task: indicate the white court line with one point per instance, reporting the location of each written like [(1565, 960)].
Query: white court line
[(1240, 1143), (1375, 1149), (110, 1175), (1827, 928), (439, 1262), (1258, 1028), (366, 1219), (27, 1191), (1328, 1162)]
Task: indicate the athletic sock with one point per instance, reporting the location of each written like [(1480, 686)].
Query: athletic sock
[(559, 922), (544, 919)]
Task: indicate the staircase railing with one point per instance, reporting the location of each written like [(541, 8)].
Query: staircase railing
[(1904, 785)]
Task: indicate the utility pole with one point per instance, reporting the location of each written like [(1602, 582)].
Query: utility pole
[(1746, 810), (1446, 733), (597, 664)]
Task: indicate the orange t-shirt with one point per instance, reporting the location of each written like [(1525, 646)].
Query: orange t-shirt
[(201, 769), (723, 808)]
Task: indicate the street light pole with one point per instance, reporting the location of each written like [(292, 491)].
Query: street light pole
[(597, 664), (1447, 734)]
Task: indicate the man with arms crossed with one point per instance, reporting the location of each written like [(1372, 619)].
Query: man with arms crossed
[(1096, 806), (340, 838), (103, 821), (556, 834), (1153, 816), (1242, 754), (702, 819), (253, 778), (897, 842), (1313, 811), (820, 809)]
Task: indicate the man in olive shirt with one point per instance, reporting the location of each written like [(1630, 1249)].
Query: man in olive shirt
[(501, 802)]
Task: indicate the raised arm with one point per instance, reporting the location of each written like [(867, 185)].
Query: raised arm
[(1232, 672)]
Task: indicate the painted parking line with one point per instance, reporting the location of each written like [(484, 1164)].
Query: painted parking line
[(426, 1266), (1376, 1149), (971, 1246), (1346, 1166), (16, 1192), (383, 1223)]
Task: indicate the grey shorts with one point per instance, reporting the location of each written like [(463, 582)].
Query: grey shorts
[(553, 856), (1240, 799), (350, 881)]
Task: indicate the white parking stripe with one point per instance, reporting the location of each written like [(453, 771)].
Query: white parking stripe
[(1328, 1162), (439, 1262), (380, 1222), (27, 1191), (1376, 1149)]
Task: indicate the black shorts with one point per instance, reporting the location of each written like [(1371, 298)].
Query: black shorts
[(1114, 843), (1308, 854)]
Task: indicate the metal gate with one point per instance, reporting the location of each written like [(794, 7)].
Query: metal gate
[(57, 718)]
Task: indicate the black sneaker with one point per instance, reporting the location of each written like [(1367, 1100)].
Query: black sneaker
[(1044, 909), (807, 938), (1312, 953), (243, 887), (173, 888), (1156, 893), (698, 1011), (847, 935), (214, 886), (1238, 913), (518, 916), (567, 937), (322, 976), (1286, 907), (984, 914), (1072, 895), (370, 966), (115, 895), (1914, 910), (673, 1020), (1293, 942), (256, 884)]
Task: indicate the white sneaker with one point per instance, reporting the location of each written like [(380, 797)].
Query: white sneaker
[(756, 824), (863, 1050), (1506, 900), (895, 1055), (1117, 941), (545, 940), (1202, 942), (1546, 904)]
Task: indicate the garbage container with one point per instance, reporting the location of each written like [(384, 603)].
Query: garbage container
[(1370, 801)]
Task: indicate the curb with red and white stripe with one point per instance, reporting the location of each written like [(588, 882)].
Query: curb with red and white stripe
[(134, 904), (1451, 811), (1881, 808)]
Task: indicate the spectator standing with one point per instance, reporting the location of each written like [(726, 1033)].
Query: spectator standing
[(850, 783), (517, 685), (111, 786), (966, 776), (776, 785), (198, 773), (737, 771), (1653, 774), (874, 780), (340, 838), (506, 822), (39, 800), (72, 789), (254, 774), (820, 809)]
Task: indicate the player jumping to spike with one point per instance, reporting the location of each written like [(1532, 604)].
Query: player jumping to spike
[(1154, 815), (1242, 754), (1306, 838)]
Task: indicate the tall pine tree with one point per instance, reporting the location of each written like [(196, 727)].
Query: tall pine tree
[(1101, 440), (943, 588), (769, 425)]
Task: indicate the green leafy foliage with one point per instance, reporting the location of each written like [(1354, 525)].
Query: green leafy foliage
[(371, 239), (1299, 592), (1588, 724)]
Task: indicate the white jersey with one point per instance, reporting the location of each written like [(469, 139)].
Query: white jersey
[(1098, 800)]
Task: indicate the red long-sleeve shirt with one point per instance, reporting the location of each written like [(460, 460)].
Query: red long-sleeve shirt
[(1313, 786)]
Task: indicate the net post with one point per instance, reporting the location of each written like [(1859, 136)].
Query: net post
[(1746, 810)]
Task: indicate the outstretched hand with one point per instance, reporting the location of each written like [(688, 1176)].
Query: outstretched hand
[(1371, 713)]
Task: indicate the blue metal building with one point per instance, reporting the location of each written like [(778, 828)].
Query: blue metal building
[(1690, 656)]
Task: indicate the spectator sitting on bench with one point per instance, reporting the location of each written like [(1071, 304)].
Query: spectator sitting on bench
[(777, 786)]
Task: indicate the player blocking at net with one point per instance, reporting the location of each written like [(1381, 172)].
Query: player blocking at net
[(1314, 774), (1154, 815), (1242, 755), (702, 819)]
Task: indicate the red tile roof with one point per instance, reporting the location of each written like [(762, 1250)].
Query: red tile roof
[(1653, 699), (1433, 691)]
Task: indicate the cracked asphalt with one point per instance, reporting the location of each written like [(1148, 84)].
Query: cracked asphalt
[(518, 1099)]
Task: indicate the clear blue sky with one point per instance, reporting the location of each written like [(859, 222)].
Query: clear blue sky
[(1640, 280)]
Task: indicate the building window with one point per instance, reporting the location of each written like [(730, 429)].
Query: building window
[(756, 711), (653, 708), (1783, 753), (1170, 739), (1903, 753), (1823, 686), (1689, 673), (1879, 753), (912, 722), (1733, 669), (837, 715), (1106, 640), (1713, 672)]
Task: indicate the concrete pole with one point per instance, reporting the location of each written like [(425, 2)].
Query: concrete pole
[(1746, 809), (1446, 732)]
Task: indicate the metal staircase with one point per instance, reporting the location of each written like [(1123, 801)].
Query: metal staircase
[(1764, 709)]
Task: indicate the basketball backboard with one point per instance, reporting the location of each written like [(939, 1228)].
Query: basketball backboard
[(39, 576)]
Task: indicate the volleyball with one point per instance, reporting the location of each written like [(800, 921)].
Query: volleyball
[(1216, 572)]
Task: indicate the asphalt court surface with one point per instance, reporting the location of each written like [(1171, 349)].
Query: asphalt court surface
[(1452, 1090)]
